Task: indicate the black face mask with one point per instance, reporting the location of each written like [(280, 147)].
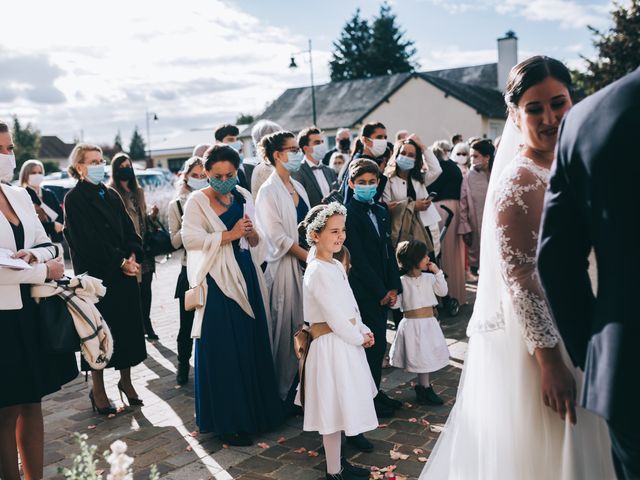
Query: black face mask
[(124, 174), (344, 144)]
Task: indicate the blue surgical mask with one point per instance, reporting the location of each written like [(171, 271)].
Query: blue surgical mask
[(294, 161), (223, 187), (237, 145), (95, 173), (319, 151), (197, 183), (405, 163), (365, 193)]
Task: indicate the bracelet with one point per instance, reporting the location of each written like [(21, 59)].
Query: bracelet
[(124, 260)]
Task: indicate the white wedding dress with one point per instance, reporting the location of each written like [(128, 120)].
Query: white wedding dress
[(499, 427)]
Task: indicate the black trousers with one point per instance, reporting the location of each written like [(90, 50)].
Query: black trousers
[(145, 301), (185, 342), (376, 320), (625, 446)]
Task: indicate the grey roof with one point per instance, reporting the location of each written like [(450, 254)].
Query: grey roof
[(346, 103), (52, 147)]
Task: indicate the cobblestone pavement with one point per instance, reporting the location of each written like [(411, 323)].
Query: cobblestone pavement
[(160, 433)]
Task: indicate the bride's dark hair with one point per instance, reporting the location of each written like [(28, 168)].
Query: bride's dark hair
[(532, 71)]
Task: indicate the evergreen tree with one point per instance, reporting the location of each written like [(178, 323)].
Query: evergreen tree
[(390, 52), (117, 143), (351, 50), (244, 119), (26, 141), (137, 147), (618, 50)]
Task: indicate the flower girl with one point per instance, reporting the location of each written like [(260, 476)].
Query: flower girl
[(419, 346), (337, 386)]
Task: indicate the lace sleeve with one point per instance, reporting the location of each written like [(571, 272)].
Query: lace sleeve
[(518, 210)]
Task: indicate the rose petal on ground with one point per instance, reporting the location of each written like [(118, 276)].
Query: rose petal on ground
[(263, 445), (189, 448), (418, 451), (312, 453), (111, 415), (413, 420), (408, 405), (424, 422), (91, 427), (224, 445), (436, 428), (100, 472), (375, 469), (194, 434), (383, 425), (281, 440), (413, 384), (398, 392), (300, 450), (396, 455), (422, 459)]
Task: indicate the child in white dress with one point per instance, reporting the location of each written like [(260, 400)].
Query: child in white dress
[(338, 387), (419, 346)]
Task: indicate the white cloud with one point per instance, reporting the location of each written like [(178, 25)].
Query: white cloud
[(196, 61)]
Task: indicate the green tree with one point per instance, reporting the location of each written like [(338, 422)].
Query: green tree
[(117, 143), (618, 49), (137, 147), (351, 50), (367, 49), (26, 141), (390, 52), (244, 119)]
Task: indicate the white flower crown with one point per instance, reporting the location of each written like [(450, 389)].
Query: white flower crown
[(318, 223)]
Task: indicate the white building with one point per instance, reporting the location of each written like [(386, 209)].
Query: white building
[(435, 105)]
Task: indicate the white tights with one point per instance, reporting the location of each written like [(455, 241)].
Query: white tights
[(332, 444), (423, 379)]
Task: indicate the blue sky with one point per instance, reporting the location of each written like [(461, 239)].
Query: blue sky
[(100, 66)]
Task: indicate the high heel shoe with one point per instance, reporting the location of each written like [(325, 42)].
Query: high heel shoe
[(134, 402), (102, 411)]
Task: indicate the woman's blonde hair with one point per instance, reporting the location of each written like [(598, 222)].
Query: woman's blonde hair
[(186, 170), (27, 168), (77, 157)]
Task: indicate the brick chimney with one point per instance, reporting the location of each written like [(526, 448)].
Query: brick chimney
[(507, 57)]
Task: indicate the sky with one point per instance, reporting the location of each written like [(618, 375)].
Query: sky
[(86, 70)]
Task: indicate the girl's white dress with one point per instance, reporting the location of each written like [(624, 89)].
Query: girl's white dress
[(420, 346), (339, 389)]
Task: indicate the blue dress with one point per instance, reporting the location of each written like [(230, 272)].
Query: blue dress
[(235, 388)]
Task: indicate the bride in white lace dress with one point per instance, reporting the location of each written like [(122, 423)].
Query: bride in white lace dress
[(515, 416)]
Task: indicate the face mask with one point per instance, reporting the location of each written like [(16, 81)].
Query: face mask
[(344, 144), (319, 151), (365, 193), (95, 174), (405, 163), (223, 187), (237, 145), (294, 160), (241, 158), (125, 174), (197, 183), (460, 159), (378, 147), (7, 166), (35, 179), (337, 167)]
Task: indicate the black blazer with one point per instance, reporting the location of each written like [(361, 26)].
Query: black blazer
[(590, 204), (374, 268), (308, 180), (50, 200), (99, 231)]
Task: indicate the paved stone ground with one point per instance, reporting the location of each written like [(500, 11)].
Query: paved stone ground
[(160, 433)]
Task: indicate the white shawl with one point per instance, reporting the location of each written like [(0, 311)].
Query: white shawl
[(201, 236), (276, 217)]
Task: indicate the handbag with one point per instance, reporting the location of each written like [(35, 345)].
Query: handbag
[(58, 329), (157, 240), (194, 298)]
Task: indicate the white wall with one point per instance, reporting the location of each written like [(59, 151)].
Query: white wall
[(421, 108)]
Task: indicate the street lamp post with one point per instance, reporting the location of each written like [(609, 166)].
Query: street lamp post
[(154, 117), (313, 88)]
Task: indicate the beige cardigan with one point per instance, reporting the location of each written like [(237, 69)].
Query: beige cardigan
[(201, 236)]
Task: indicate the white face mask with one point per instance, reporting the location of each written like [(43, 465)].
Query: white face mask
[(35, 179), (378, 146), (7, 166)]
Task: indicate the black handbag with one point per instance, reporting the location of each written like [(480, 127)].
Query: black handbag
[(157, 240), (59, 331)]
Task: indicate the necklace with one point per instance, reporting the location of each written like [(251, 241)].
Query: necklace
[(224, 204)]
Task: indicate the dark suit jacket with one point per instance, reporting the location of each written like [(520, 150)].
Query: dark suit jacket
[(308, 180), (248, 171), (374, 268), (50, 199), (590, 203)]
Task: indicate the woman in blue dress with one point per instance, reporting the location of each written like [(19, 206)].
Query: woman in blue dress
[(235, 383)]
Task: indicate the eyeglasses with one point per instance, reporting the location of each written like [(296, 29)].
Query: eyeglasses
[(94, 162), (290, 149)]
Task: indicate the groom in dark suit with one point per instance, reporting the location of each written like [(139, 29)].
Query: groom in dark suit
[(590, 203), (316, 178)]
